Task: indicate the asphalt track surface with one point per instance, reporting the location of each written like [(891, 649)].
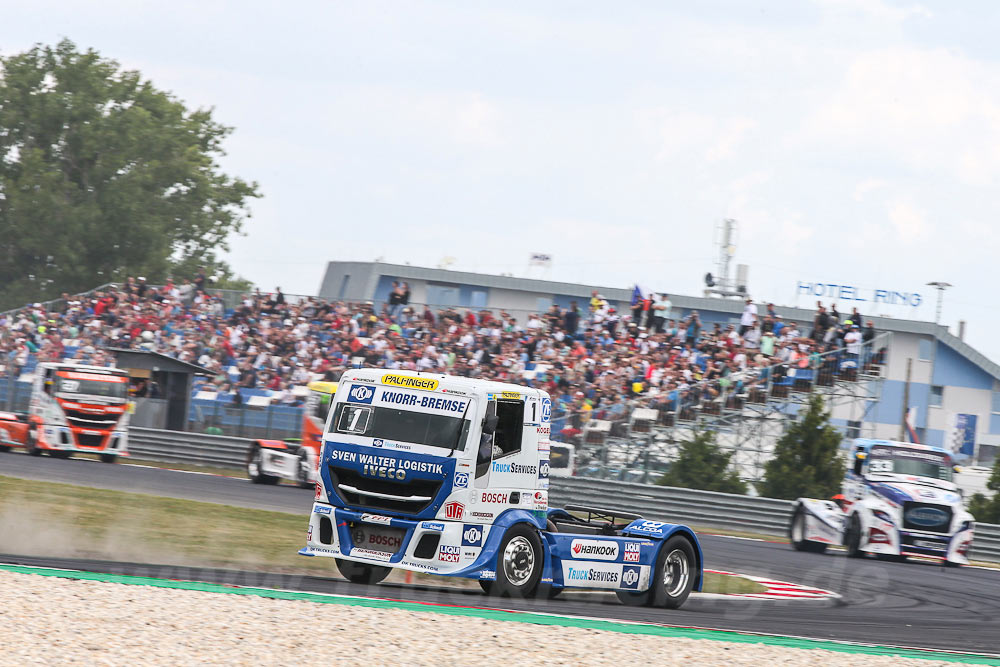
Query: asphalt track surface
[(913, 604)]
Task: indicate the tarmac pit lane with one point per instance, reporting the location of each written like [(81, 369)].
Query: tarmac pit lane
[(63, 621)]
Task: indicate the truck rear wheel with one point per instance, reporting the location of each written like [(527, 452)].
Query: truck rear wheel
[(674, 574), (255, 466), (60, 454), (362, 573), (108, 458), (519, 562), (797, 534)]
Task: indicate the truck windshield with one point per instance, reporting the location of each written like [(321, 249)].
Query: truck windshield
[(109, 386), (395, 425), (918, 463)]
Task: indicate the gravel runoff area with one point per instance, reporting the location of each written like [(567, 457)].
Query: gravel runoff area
[(62, 621)]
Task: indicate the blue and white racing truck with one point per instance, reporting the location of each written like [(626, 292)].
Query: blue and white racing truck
[(450, 475), (898, 500)]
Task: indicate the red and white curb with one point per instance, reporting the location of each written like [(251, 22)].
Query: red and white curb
[(776, 590)]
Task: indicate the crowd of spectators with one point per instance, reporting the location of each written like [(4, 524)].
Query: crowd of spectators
[(589, 358)]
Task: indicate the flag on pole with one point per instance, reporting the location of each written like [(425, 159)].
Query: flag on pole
[(636, 294)]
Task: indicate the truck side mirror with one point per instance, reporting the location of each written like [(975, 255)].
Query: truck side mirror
[(859, 460), (490, 423)]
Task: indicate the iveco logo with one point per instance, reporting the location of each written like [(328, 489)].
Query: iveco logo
[(926, 516)]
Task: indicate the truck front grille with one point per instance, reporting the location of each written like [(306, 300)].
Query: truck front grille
[(407, 497), (926, 517), (89, 420)]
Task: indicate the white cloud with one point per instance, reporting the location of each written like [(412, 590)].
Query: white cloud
[(875, 9), (909, 221)]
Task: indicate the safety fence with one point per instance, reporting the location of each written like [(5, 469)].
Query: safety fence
[(704, 509)]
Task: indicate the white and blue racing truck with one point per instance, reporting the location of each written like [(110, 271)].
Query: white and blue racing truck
[(898, 500), (450, 476)]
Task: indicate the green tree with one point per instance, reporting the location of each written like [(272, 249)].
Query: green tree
[(701, 464), (103, 176), (987, 509), (807, 461)]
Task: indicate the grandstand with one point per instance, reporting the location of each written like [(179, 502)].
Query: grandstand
[(624, 391)]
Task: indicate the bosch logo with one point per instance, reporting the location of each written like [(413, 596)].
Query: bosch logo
[(630, 577), (472, 536), (498, 498), (361, 394)]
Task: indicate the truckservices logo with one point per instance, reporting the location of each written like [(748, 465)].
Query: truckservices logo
[(427, 384)]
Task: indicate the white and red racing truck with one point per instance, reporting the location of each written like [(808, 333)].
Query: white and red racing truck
[(73, 409), (898, 500)]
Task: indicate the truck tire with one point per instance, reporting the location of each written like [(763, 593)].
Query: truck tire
[(797, 534), (254, 464), (303, 469), (519, 562), (362, 573), (674, 574), (852, 537), (31, 444), (60, 455), (108, 458)]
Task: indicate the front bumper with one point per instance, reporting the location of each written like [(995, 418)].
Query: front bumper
[(439, 547), (70, 439)]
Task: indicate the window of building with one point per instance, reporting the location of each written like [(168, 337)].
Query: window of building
[(442, 295), (937, 396), (853, 429), (924, 349), (477, 298)]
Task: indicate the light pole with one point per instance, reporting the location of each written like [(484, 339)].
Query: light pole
[(941, 287)]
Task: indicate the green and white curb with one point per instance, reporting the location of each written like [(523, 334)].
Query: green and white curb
[(538, 618)]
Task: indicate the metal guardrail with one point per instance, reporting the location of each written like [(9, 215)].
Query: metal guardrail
[(192, 448), (705, 509)]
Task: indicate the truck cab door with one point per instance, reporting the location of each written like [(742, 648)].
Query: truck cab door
[(504, 440)]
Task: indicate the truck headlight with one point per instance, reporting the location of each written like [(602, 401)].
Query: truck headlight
[(884, 516)]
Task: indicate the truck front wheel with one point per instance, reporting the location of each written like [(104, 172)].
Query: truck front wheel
[(304, 469), (852, 539), (362, 573), (31, 444), (519, 562)]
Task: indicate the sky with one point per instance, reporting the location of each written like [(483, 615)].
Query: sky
[(855, 142)]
